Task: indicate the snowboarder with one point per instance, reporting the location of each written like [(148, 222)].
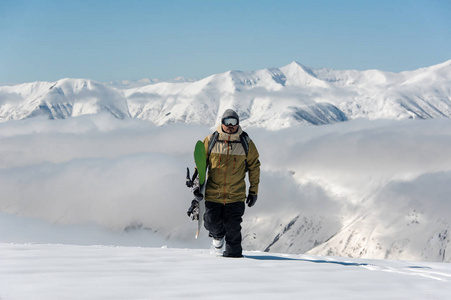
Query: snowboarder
[(230, 154)]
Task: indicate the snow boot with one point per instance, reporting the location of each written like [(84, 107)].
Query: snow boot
[(218, 243), (232, 255)]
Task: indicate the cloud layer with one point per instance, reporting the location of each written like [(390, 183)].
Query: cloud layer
[(118, 174)]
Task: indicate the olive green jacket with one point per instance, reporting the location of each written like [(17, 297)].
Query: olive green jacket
[(227, 168)]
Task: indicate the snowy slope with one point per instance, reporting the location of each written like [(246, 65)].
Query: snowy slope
[(54, 272), (272, 98)]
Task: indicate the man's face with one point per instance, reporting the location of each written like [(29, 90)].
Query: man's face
[(230, 129), (230, 125)]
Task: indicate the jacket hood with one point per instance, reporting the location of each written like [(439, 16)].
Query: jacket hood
[(230, 113)]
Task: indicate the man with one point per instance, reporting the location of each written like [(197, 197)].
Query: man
[(229, 156)]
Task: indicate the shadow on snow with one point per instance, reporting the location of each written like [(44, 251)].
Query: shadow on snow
[(342, 263), (272, 257)]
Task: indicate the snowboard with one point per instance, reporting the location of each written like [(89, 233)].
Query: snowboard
[(197, 209)]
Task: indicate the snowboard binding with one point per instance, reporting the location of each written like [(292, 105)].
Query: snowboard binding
[(193, 182), (190, 181), (193, 210)]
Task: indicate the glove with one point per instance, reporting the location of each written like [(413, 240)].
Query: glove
[(251, 199)]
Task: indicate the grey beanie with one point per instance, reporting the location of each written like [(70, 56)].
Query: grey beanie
[(230, 113)]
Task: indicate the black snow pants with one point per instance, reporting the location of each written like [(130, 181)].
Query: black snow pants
[(224, 220)]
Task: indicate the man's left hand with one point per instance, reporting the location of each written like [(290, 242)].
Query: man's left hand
[(251, 199)]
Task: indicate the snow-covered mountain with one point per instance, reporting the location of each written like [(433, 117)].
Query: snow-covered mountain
[(59, 100), (270, 98), (127, 84)]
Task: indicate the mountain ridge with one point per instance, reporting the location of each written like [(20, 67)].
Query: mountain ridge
[(272, 98)]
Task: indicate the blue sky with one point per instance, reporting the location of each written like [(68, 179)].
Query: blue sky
[(115, 40)]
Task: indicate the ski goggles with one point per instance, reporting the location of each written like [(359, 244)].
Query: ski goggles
[(230, 121)]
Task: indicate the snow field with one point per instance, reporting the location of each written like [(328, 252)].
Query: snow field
[(40, 271)]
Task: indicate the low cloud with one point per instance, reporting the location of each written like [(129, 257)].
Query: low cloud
[(97, 170)]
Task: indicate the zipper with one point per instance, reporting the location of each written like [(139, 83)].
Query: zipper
[(225, 174), (219, 170)]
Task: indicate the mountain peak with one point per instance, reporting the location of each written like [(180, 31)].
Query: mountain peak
[(296, 65), (298, 74)]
